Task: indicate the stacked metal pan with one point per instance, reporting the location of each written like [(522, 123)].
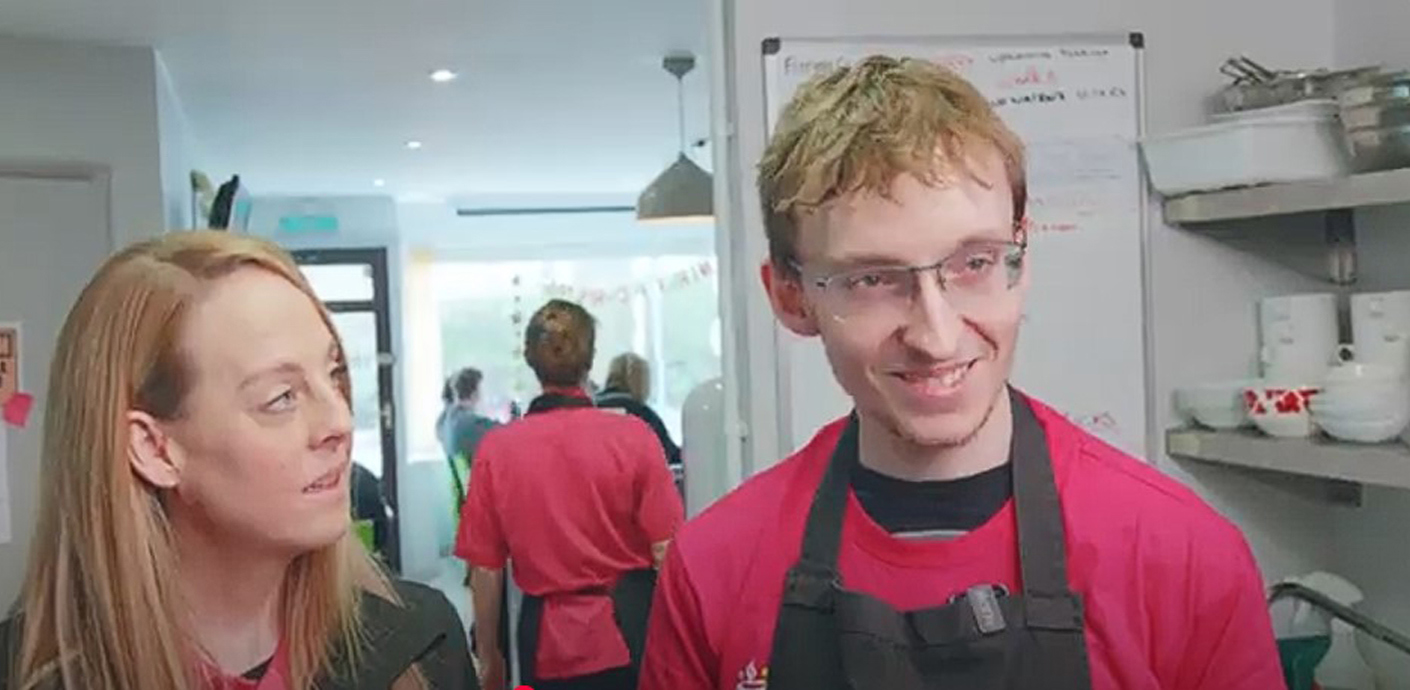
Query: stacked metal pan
[(1376, 116)]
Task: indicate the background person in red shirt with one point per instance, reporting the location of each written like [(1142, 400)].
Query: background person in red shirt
[(951, 533), (581, 501)]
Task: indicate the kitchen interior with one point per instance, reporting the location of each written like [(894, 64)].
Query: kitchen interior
[(1300, 165), (1278, 257)]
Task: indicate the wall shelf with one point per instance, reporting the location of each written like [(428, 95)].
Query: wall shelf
[(1367, 189), (1384, 464)]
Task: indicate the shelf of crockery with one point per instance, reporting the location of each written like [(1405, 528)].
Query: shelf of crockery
[(1354, 191), (1380, 464)]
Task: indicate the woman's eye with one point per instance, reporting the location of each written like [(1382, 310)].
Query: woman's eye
[(281, 402)]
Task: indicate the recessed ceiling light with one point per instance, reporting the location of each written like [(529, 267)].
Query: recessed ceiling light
[(442, 76), (414, 145), (379, 182)]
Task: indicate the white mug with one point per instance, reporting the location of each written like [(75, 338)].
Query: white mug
[(1380, 327), (1298, 336)]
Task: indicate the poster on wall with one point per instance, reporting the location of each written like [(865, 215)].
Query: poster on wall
[(9, 361), (4, 486), (9, 391)]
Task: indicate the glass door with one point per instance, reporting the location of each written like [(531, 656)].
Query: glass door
[(352, 283)]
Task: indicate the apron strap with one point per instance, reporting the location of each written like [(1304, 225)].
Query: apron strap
[(1042, 540), (822, 538)]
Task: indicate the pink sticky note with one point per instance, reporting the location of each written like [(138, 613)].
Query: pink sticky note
[(16, 410)]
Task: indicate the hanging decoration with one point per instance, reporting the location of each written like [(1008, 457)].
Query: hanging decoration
[(516, 327), (591, 296)]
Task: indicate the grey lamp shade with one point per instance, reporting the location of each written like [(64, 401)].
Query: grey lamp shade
[(684, 192)]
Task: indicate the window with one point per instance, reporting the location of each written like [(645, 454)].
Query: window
[(664, 308)]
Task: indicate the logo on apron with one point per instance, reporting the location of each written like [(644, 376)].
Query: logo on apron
[(751, 678)]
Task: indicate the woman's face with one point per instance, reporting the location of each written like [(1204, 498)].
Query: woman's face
[(263, 439)]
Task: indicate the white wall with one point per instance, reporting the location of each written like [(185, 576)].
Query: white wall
[(178, 151), (1371, 549), (74, 103), (69, 106), (1193, 277), (435, 225)]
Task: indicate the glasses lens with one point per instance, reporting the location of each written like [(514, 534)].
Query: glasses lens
[(971, 278), (881, 290)]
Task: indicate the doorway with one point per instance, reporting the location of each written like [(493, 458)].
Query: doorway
[(55, 230), (353, 285)]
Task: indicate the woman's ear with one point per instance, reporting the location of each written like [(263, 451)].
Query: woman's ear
[(150, 452)]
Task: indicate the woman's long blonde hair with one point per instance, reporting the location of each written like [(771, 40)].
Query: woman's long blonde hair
[(101, 606), (631, 373)]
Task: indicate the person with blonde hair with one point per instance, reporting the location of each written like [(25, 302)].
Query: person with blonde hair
[(628, 388), (951, 532), (579, 499), (194, 520)]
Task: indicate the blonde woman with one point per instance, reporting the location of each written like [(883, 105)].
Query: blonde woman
[(194, 520), (628, 388)]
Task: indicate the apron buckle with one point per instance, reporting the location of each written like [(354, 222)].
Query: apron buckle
[(1054, 612), (987, 615), (811, 587)]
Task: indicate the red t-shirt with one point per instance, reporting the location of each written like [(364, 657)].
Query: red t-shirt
[(274, 677), (574, 497), (1173, 598)]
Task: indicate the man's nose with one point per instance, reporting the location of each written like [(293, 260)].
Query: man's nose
[(934, 325)]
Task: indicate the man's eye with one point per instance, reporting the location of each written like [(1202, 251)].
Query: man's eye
[(872, 280)]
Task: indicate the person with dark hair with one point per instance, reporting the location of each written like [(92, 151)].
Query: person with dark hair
[(460, 426), (581, 500), (628, 388)]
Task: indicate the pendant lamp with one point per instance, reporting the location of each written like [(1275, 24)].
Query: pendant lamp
[(684, 192)]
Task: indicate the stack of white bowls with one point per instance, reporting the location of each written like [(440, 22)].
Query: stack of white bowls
[(1215, 405), (1363, 403)]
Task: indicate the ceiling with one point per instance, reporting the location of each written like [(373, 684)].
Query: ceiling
[(555, 97)]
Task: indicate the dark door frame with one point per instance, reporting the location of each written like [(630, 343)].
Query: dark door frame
[(380, 306)]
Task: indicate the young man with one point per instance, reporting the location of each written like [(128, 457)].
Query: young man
[(952, 532)]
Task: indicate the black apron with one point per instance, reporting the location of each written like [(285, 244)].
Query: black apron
[(830, 638), (631, 594)]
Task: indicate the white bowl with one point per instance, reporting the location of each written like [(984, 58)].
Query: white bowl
[(1363, 432), (1322, 416), (1217, 394), (1360, 406), (1220, 418), (1281, 411), (1285, 425), (1217, 405)]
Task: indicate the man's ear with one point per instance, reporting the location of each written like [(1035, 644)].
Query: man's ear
[(786, 295), (150, 452)]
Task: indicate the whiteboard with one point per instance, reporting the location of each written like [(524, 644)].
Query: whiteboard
[(1076, 103)]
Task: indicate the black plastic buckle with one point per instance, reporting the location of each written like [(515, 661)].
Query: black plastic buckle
[(811, 587)]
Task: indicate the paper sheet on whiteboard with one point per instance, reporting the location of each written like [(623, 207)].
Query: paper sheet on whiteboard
[(4, 485)]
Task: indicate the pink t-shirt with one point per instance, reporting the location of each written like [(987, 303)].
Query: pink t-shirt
[(574, 497), (1173, 598), (275, 676)]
